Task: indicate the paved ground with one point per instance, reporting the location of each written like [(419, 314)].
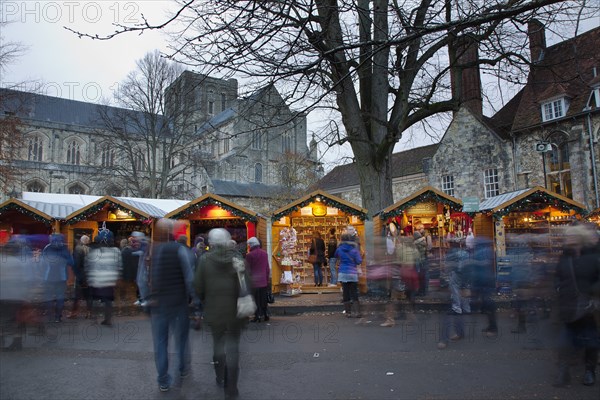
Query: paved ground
[(315, 355)]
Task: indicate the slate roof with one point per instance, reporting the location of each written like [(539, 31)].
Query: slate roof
[(404, 163), (236, 189), (565, 70), (37, 107)]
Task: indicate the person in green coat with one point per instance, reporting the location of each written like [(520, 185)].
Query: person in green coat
[(217, 286)]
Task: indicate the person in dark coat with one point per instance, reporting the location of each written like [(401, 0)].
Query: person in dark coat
[(56, 258), (257, 261), (578, 270), (317, 246), (483, 282), (82, 290), (217, 285), (171, 287)]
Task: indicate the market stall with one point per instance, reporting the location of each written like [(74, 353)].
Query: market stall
[(20, 218), (292, 230), (120, 216), (528, 225), (440, 215), (212, 211)]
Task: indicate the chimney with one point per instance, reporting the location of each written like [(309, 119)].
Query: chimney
[(537, 40), (465, 78)]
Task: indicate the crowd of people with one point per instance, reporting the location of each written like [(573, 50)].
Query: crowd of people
[(168, 278)]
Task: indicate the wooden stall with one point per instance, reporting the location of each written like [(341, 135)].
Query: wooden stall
[(212, 211), (19, 218), (292, 230), (117, 215), (528, 226), (440, 215)]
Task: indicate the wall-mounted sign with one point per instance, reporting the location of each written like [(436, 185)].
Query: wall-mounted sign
[(422, 209), (470, 204), (319, 209), (306, 211)]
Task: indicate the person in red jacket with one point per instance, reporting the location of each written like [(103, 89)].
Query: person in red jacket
[(257, 261)]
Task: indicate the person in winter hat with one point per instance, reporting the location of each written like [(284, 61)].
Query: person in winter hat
[(55, 260)]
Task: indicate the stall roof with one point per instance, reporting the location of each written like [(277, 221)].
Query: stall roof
[(75, 200), (212, 199), (528, 200), (55, 210), (96, 206), (328, 199), (35, 211), (425, 194)]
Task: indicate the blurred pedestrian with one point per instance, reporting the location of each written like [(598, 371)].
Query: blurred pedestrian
[(217, 285), (82, 290), (483, 282), (55, 260), (257, 261), (332, 244), (578, 275), (130, 256), (420, 241), (103, 269), (171, 287), (13, 294), (349, 260), (317, 249)]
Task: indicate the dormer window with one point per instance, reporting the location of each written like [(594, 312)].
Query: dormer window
[(554, 109), (594, 99)]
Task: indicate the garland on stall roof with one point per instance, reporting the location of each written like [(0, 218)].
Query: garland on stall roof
[(423, 197), (24, 211), (210, 201), (328, 202), (84, 216), (534, 202)]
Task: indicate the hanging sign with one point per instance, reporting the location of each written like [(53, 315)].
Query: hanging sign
[(470, 204)]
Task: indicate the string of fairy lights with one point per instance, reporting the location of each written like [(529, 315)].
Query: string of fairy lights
[(16, 207), (535, 202), (211, 201), (88, 212), (326, 201), (428, 196)]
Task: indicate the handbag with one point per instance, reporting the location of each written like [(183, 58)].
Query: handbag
[(312, 258), (584, 304), (245, 302)]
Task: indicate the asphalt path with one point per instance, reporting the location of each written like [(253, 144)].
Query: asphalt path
[(308, 356)]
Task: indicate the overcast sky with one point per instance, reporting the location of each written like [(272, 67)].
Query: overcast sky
[(58, 63)]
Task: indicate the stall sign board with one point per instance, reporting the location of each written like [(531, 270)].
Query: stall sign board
[(470, 204)]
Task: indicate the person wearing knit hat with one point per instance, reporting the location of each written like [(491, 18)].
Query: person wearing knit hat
[(82, 291)]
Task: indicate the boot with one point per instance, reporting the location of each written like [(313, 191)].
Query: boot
[(521, 327), (358, 312), (16, 345), (231, 390), (220, 370), (348, 309), (564, 377), (359, 315), (589, 378)]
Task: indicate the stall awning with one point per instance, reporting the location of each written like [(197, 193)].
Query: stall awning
[(109, 201), (528, 200), (212, 199), (428, 193), (32, 211), (325, 198)]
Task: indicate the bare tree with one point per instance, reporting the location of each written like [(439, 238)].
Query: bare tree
[(149, 144), (11, 136), (383, 65)]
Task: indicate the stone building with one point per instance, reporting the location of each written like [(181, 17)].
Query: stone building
[(547, 135), (246, 149)]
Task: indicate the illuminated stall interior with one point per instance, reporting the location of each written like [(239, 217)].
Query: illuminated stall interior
[(528, 225), (20, 218), (212, 211), (292, 231), (440, 215), (119, 216)]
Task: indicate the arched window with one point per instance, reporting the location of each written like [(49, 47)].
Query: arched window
[(34, 149), (258, 172), (76, 189), (74, 152), (558, 166), (285, 175), (286, 143), (256, 140), (139, 163), (36, 186), (107, 155)]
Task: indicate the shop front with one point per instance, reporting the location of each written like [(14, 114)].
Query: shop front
[(440, 215), (212, 211), (528, 226), (292, 230), (118, 216)]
